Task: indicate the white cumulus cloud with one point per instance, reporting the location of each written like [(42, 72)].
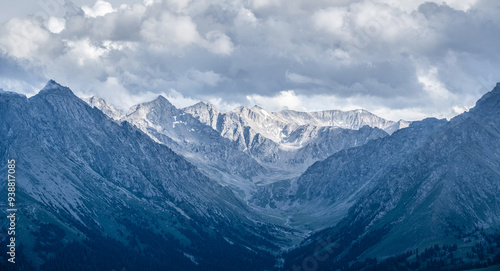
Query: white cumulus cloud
[(99, 9), (55, 25)]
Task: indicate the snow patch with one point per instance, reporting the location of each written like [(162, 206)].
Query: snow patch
[(191, 257)]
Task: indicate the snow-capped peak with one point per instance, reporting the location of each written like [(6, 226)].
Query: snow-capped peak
[(261, 111), (160, 102), (206, 107), (204, 112), (105, 107)]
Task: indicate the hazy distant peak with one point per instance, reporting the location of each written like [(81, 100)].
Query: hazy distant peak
[(200, 105), (105, 107)]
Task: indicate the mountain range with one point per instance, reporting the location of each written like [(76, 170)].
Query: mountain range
[(163, 188), (246, 147), (290, 139), (88, 185)]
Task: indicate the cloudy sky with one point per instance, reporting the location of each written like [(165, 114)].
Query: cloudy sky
[(398, 59)]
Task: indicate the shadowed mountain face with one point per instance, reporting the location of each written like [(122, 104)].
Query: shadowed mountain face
[(432, 183), (104, 195), (323, 194)]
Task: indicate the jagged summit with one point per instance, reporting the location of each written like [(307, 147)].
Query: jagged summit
[(52, 87), (160, 101)]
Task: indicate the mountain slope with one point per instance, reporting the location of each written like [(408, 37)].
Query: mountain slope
[(240, 147), (216, 156), (87, 183), (433, 186), (322, 195)]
